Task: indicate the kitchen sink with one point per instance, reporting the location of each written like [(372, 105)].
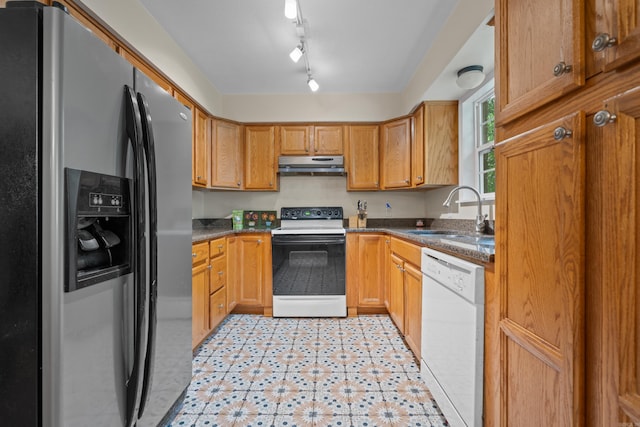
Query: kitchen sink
[(455, 238)]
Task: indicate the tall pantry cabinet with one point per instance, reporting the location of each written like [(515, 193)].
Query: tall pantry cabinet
[(567, 215)]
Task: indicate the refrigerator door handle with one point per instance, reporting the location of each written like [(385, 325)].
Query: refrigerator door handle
[(150, 158), (134, 133)]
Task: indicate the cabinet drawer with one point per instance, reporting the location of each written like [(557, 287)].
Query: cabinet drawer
[(217, 247), (199, 253), (218, 275), (217, 307), (407, 251)]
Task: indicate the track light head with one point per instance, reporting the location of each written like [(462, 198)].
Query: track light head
[(313, 84), (290, 9), (297, 53)]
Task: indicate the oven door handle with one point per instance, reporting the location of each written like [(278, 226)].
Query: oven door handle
[(306, 240)]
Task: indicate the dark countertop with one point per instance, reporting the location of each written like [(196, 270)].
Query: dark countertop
[(470, 252)]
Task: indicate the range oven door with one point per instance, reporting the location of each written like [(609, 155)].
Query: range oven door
[(308, 264)]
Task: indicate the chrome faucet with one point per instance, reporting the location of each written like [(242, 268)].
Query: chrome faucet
[(480, 217)]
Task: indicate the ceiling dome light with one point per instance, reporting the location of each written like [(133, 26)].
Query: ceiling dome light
[(296, 53), (470, 77), (313, 84), (290, 9)]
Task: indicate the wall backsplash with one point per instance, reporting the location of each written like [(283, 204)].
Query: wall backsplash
[(331, 191)]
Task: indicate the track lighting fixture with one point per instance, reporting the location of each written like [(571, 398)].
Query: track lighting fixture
[(297, 53), (292, 10)]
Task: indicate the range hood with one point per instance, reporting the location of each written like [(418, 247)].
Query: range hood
[(311, 165)]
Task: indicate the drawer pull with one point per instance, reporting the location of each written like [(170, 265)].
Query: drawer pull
[(561, 133), (561, 68), (603, 118), (193, 255)]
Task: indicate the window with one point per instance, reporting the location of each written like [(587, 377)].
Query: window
[(484, 123), (477, 135)]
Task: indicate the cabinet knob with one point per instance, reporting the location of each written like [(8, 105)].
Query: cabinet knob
[(220, 273), (603, 117), (198, 177), (238, 183), (220, 246), (602, 42), (407, 181), (561, 133), (561, 68), (209, 267), (259, 241), (420, 177), (221, 306), (270, 184), (193, 255)]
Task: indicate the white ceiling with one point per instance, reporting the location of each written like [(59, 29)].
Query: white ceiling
[(354, 46)]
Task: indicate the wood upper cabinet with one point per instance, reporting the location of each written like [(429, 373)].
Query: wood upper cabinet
[(435, 144), (260, 158), (226, 155), (328, 140), (362, 157), (613, 34), (253, 275), (539, 53), (613, 264), (395, 170), (540, 240), (311, 140), (201, 143), (295, 140)]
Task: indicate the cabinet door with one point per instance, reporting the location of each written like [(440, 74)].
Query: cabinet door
[(440, 143), (540, 55), (413, 307), (417, 147), (613, 279), (327, 140), (371, 248), (232, 272), (260, 158), (396, 154), (396, 291), (295, 140), (217, 308), (251, 269), (199, 303), (613, 19), (362, 157), (218, 273), (226, 155), (540, 223), (201, 142)]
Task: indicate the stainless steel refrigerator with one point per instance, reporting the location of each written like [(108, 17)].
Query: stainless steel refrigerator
[(95, 231)]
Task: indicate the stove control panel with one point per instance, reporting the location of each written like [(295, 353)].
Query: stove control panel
[(311, 213)]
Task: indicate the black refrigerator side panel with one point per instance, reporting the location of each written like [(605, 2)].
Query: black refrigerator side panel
[(20, 225)]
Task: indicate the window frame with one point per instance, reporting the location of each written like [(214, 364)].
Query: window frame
[(469, 159), (480, 145)]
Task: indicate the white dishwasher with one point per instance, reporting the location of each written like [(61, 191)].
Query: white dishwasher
[(453, 335)]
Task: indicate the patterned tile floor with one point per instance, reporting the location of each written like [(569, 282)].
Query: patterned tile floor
[(260, 371)]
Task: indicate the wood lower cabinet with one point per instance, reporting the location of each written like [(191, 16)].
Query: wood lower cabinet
[(395, 149), (396, 291), (199, 293), (260, 163), (226, 155), (613, 264), (366, 273), (253, 273), (540, 266), (362, 157), (217, 307), (413, 307), (232, 273)]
